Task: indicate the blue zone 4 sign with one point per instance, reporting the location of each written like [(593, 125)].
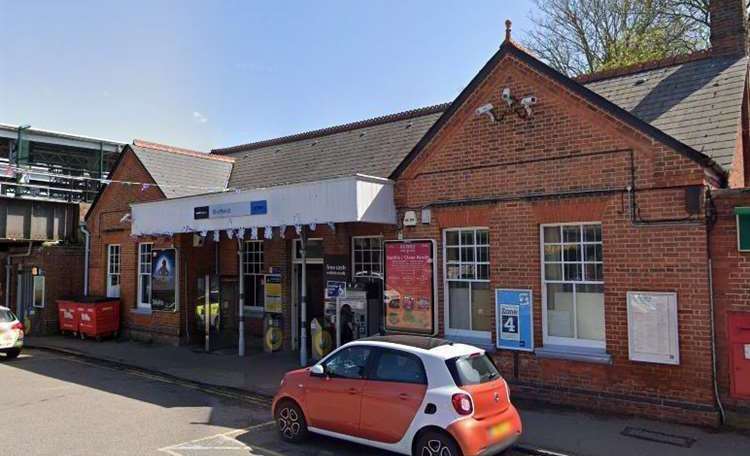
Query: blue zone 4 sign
[(514, 319)]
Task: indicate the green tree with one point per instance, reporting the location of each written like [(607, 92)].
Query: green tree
[(583, 36)]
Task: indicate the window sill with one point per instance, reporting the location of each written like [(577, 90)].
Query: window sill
[(477, 341), (141, 311), (586, 355)]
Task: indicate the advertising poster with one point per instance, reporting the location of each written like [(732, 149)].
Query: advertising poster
[(409, 286), (514, 319), (163, 280), (272, 293)]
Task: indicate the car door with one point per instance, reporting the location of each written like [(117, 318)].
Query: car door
[(392, 396), (333, 401)]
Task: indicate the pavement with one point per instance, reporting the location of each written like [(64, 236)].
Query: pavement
[(547, 430)]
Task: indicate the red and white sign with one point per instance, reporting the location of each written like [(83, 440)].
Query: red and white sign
[(410, 286)]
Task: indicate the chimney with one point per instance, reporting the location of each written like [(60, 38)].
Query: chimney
[(729, 30)]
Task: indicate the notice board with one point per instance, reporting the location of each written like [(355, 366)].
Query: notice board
[(163, 280), (409, 296), (514, 320), (652, 327), (272, 293)]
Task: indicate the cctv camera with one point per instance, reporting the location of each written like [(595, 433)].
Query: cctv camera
[(506, 96), (486, 109), (528, 101)]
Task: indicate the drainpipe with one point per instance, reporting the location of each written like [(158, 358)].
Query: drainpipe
[(241, 310), (87, 244), (8, 264), (711, 219)]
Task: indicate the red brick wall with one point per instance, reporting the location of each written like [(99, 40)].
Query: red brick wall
[(104, 223), (571, 146), (731, 272)]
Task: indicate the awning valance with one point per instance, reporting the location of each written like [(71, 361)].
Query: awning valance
[(348, 199)]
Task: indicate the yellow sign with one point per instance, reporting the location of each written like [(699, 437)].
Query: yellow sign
[(272, 293)]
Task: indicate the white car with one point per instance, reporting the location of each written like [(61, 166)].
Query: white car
[(11, 333), (407, 394)]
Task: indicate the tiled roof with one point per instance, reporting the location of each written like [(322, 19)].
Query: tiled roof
[(373, 147), (699, 103), (180, 172)]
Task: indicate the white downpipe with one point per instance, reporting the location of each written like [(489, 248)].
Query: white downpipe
[(87, 247), (303, 299)]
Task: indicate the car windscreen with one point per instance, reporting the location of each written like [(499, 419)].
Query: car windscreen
[(6, 316), (472, 369)]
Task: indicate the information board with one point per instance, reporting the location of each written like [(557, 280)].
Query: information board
[(652, 327), (409, 296), (514, 319), (163, 280)]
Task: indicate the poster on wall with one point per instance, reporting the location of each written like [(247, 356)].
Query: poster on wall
[(163, 280), (272, 293), (409, 296), (652, 327), (514, 319)]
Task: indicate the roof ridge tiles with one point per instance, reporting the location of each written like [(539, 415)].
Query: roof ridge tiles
[(388, 118), (180, 151)]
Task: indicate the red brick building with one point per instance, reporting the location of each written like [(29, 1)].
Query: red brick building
[(611, 200)]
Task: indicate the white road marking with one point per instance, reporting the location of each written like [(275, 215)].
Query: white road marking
[(214, 442)]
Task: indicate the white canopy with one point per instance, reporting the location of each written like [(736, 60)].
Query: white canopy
[(356, 198)]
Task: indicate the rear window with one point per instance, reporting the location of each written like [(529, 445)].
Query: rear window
[(6, 316), (472, 369)]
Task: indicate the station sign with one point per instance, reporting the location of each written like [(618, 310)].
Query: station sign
[(514, 319), (226, 210)]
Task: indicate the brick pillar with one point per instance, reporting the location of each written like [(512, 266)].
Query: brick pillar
[(729, 34)]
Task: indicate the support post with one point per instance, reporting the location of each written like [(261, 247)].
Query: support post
[(207, 313), (241, 310), (303, 299)]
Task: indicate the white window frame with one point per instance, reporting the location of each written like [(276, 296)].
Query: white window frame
[(256, 270), (446, 295), (298, 260), (141, 274), (110, 264), (566, 341), (354, 257)]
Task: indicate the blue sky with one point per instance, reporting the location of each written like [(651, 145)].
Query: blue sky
[(203, 74)]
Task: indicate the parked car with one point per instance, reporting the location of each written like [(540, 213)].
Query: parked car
[(11, 333), (407, 394)]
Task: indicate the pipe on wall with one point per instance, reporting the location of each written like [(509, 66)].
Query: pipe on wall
[(87, 246)]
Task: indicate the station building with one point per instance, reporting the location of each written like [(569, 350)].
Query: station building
[(590, 233)]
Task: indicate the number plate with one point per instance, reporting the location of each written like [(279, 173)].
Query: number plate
[(499, 430)]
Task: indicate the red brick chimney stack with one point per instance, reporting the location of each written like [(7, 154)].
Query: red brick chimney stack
[(729, 30)]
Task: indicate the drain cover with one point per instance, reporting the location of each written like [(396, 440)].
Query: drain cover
[(660, 437)]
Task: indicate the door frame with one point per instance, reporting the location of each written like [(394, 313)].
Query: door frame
[(119, 269), (295, 298)]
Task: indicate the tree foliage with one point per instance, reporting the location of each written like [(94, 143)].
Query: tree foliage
[(583, 36)]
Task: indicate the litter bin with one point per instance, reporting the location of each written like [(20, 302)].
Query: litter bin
[(90, 316), (67, 316)]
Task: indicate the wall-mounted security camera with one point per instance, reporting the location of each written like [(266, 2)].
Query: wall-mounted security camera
[(507, 97), (527, 103), (486, 109)]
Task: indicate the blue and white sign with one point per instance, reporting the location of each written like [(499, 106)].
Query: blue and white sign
[(514, 319), (226, 210)]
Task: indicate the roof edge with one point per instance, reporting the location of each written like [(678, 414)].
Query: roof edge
[(509, 47), (645, 66), (388, 118), (179, 150)]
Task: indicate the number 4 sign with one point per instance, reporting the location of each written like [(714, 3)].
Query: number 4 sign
[(514, 322)]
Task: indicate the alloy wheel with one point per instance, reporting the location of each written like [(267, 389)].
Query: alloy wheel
[(289, 422), (435, 448)]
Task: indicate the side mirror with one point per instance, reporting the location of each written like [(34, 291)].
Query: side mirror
[(317, 371)]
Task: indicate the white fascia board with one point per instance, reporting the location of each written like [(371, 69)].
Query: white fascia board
[(340, 200)]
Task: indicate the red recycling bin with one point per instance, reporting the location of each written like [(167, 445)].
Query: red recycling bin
[(90, 316), (67, 316)]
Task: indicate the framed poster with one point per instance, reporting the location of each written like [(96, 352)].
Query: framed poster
[(272, 293), (409, 296), (514, 319), (652, 327), (163, 280)]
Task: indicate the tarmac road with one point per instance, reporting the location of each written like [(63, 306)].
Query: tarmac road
[(53, 404)]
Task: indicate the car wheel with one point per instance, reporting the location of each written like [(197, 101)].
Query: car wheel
[(10, 354), (433, 443), (291, 422)]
